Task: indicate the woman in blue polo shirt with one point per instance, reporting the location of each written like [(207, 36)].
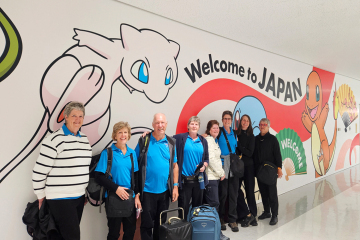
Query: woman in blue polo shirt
[(192, 150), (230, 185), (121, 179)]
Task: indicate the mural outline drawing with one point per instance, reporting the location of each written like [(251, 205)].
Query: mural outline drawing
[(142, 60)]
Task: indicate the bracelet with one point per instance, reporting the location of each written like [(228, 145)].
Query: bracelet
[(176, 184)]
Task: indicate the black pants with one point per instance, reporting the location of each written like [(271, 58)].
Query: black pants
[(153, 204), (211, 194), (190, 191), (129, 227), (67, 215), (229, 187), (269, 198), (244, 209)]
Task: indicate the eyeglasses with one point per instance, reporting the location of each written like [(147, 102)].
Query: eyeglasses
[(262, 124)]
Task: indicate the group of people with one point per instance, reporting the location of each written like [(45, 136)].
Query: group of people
[(191, 168)]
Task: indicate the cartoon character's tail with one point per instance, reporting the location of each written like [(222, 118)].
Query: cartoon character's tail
[(140, 130), (333, 142), (28, 149)]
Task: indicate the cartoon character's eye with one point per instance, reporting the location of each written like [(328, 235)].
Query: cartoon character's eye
[(317, 93), (237, 120), (169, 77), (307, 92), (140, 72)]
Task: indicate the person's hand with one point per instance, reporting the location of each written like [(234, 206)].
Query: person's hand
[(145, 133), (137, 202), (222, 178), (41, 201), (202, 169), (86, 201), (122, 193), (175, 194), (280, 173), (204, 135)]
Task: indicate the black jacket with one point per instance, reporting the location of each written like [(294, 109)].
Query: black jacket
[(246, 146), (180, 146), (142, 163), (267, 149), (39, 223)]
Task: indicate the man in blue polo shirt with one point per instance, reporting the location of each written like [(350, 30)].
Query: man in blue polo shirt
[(158, 176)]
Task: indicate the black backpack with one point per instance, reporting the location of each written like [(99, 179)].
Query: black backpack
[(96, 192)]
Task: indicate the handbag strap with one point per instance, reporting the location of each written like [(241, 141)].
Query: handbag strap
[(227, 140), (107, 173), (132, 172), (109, 162)]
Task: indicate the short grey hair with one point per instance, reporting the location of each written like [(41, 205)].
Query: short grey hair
[(194, 119), (266, 121), (74, 105)]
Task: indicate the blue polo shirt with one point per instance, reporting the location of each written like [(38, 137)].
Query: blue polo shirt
[(223, 145), (121, 166), (158, 165), (193, 152), (66, 133)]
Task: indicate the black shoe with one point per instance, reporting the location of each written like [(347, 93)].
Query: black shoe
[(233, 227), (223, 237), (247, 221), (223, 226), (273, 220), (254, 223), (264, 215), (240, 220)]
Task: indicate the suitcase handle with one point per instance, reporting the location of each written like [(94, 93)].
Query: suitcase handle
[(173, 210), (169, 221)]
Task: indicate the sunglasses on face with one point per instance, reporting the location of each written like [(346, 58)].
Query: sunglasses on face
[(262, 124)]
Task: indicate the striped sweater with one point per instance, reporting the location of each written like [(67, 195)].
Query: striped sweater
[(62, 169)]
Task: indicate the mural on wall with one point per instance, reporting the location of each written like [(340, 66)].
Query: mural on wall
[(347, 106), (11, 54), (314, 118), (292, 153), (253, 108), (142, 60)]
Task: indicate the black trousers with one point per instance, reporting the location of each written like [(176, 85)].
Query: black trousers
[(129, 227), (153, 204), (269, 198), (67, 214), (190, 194), (244, 209), (229, 188), (211, 194)]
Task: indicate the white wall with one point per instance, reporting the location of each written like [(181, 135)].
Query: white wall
[(46, 30)]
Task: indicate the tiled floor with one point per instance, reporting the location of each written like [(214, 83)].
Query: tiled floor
[(326, 209)]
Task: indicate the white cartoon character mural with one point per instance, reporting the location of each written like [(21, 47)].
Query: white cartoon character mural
[(142, 59)]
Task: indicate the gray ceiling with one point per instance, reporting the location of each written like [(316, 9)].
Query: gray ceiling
[(322, 33)]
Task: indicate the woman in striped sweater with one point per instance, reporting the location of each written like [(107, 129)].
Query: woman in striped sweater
[(61, 173)]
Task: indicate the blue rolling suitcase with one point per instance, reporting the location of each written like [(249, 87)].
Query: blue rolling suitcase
[(205, 222)]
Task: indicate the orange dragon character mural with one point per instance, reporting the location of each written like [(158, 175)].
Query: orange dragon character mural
[(314, 119)]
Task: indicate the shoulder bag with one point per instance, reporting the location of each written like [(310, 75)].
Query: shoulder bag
[(236, 163), (115, 206)]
